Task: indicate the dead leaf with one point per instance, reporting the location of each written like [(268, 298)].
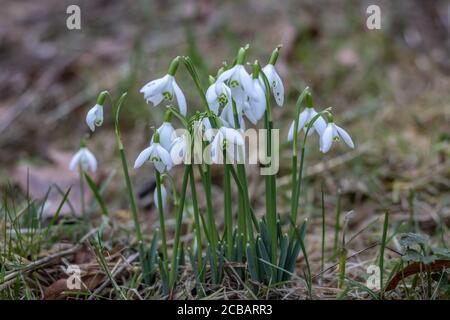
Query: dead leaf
[(414, 268)]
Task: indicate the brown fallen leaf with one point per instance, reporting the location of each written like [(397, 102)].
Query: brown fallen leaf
[(414, 268), (58, 290)]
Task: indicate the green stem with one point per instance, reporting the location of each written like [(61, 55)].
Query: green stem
[(382, 248), (162, 222), (270, 181), (134, 211), (227, 209), (178, 225), (82, 200), (198, 233)]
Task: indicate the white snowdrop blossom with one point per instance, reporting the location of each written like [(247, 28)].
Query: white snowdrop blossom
[(229, 139), (255, 107), (167, 135), (179, 148), (85, 159), (94, 117), (163, 197), (334, 133), (304, 119), (164, 88), (239, 81), (275, 83), (158, 155), (218, 95)]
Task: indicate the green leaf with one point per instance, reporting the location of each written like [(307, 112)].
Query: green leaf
[(96, 193)]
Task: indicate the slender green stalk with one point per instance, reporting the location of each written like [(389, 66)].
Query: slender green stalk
[(342, 262), (162, 222), (179, 219), (82, 200), (382, 248), (337, 224), (134, 211), (243, 198), (227, 209), (270, 181), (294, 204), (322, 261), (198, 233)]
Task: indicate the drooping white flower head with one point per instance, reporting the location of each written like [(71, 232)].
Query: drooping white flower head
[(163, 197), (304, 119), (156, 154), (273, 78), (167, 135), (85, 159), (275, 83), (334, 133), (237, 78), (179, 149), (218, 95), (229, 139), (255, 107), (94, 117), (165, 88)]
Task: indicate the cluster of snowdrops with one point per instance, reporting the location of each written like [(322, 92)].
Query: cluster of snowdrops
[(266, 249)]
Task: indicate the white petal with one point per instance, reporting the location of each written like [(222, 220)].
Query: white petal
[(290, 136), (303, 119), (155, 99), (224, 76), (154, 86), (166, 135), (320, 125), (181, 100), (163, 197), (90, 158), (345, 136), (91, 117), (246, 82), (164, 155), (75, 160), (269, 70), (278, 90), (143, 156), (327, 139)]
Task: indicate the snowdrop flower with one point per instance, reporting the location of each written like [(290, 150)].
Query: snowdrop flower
[(85, 159), (275, 83), (94, 117), (304, 119), (179, 148), (334, 133), (218, 95), (273, 78), (238, 79), (230, 140), (255, 107), (166, 131), (165, 88), (156, 154), (163, 197)]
